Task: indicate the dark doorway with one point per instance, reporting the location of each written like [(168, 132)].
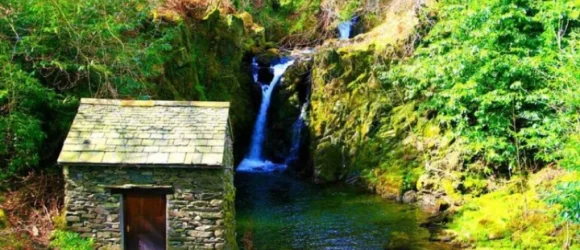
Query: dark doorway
[(144, 220)]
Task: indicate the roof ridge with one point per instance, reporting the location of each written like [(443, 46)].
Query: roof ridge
[(151, 103)]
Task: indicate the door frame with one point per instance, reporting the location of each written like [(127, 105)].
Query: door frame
[(121, 192)]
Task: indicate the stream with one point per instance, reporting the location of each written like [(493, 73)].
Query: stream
[(277, 211)]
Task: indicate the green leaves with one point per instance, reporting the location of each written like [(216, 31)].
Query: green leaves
[(22, 103), (65, 240), (567, 195), (489, 70)]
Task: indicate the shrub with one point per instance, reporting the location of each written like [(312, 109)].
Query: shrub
[(499, 75), (65, 240)]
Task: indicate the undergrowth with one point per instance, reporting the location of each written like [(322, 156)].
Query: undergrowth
[(64, 240)]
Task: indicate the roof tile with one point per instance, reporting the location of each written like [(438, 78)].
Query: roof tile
[(146, 132)]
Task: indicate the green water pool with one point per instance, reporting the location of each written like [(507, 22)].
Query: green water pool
[(276, 211)]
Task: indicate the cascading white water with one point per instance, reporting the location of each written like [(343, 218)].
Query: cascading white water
[(297, 135), (344, 29), (254, 161), (255, 70)]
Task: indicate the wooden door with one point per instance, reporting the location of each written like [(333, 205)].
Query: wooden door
[(145, 221)]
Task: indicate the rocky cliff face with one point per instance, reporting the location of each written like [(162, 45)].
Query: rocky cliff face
[(356, 123)]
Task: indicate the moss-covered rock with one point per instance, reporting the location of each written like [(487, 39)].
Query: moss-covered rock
[(341, 115), (328, 160)]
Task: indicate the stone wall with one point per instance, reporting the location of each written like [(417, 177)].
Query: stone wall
[(230, 191), (196, 210)]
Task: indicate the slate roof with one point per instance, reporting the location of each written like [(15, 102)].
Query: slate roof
[(147, 133)]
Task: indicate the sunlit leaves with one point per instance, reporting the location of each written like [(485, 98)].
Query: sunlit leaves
[(495, 73)]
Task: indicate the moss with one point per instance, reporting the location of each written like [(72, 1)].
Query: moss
[(284, 18), (3, 220), (11, 240), (59, 221), (329, 161), (450, 189), (431, 129), (510, 219), (349, 10), (371, 122), (229, 208)]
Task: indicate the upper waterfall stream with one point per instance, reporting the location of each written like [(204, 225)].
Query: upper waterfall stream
[(345, 28)]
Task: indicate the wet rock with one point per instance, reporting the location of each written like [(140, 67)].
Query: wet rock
[(328, 162), (267, 57), (285, 108), (410, 197), (429, 203)]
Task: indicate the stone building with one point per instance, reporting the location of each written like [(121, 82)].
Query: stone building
[(150, 175)]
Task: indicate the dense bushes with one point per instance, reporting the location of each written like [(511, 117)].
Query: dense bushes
[(50, 55), (31, 116), (491, 72)]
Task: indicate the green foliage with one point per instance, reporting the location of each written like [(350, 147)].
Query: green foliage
[(567, 194), (51, 52), (64, 240), (571, 153), (25, 109), (501, 78), (287, 17), (490, 71), (54, 52), (349, 10)]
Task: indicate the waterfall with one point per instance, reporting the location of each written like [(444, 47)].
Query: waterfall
[(255, 70), (344, 28), (297, 135), (254, 160)]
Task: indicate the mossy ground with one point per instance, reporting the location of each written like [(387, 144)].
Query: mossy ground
[(516, 216)]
